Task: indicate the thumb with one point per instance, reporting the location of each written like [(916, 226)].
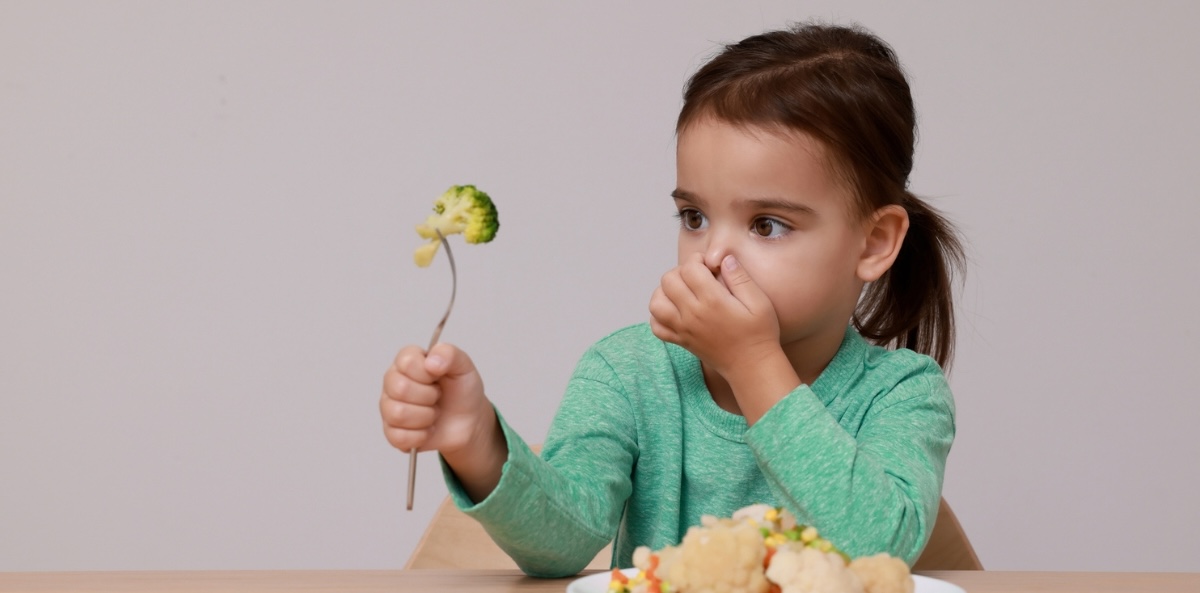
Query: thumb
[(455, 373), (739, 283), (446, 361)]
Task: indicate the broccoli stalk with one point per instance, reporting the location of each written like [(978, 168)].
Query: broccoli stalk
[(462, 209)]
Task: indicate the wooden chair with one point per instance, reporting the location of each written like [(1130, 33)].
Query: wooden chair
[(948, 547), (454, 540)]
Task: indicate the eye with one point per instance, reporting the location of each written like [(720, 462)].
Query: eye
[(691, 219), (770, 228)]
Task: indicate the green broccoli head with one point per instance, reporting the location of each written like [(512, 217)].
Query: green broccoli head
[(462, 209)]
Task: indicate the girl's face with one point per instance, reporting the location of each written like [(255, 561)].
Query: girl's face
[(771, 201)]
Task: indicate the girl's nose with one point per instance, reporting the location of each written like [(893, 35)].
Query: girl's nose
[(715, 251)]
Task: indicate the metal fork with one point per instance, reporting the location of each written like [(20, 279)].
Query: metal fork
[(437, 333)]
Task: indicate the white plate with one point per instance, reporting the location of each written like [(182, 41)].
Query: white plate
[(598, 583)]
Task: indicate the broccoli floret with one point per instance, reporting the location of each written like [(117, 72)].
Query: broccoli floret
[(462, 209)]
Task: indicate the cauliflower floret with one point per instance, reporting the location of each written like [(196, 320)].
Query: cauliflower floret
[(641, 557), (882, 573), (723, 558), (754, 512), (808, 570), (728, 555)]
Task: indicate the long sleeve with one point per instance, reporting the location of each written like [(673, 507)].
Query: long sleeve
[(871, 484), (554, 513), (638, 451)]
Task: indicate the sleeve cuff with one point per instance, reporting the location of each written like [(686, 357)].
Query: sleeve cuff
[(794, 410)]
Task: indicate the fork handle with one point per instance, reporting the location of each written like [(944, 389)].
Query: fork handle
[(437, 333), (412, 475)]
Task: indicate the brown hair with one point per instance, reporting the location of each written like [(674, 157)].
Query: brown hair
[(844, 87)]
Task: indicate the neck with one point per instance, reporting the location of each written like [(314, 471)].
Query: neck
[(810, 356)]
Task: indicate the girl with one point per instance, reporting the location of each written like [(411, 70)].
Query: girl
[(793, 356)]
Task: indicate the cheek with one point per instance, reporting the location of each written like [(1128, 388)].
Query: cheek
[(688, 244), (778, 279), (792, 283)]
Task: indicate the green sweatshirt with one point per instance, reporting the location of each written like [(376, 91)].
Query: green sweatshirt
[(639, 451)]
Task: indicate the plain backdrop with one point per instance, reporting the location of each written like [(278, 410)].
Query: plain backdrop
[(206, 233)]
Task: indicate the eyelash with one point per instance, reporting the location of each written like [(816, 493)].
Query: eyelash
[(786, 228), (679, 216)]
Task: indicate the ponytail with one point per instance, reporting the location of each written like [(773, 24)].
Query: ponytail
[(912, 305)]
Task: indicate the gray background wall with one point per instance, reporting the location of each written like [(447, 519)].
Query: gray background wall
[(206, 215)]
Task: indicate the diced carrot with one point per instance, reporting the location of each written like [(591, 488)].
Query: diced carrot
[(767, 558), (774, 589), (655, 586), (619, 576)]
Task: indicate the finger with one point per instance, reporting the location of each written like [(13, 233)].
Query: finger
[(741, 285), (701, 282), (662, 310), (663, 332), (397, 414), (402, 388), (410, 362), (448, 362), (676, 289), (405, 439)]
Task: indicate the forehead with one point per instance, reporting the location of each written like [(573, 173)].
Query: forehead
[(723, 159)]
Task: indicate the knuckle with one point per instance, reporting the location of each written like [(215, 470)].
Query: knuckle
[(392, 413), (393, 436), (407, 357), (395, 386)]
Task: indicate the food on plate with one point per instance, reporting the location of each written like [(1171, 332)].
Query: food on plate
[(461, 209), (760, 549)]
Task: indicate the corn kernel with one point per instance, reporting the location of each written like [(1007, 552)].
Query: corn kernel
[(809, 534)]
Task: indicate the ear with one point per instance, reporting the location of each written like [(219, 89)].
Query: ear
[(885, 231)]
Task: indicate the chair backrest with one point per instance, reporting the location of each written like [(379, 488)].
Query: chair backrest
[(454, 540), (948, 547)]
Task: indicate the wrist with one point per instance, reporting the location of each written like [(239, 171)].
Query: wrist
[(479, 463), (761, 380), (741, 360)]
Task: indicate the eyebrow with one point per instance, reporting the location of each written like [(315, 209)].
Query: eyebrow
[(755, 203)]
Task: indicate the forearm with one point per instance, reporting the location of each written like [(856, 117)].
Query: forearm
[(761, 383), (876, 491), (552, 514)]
